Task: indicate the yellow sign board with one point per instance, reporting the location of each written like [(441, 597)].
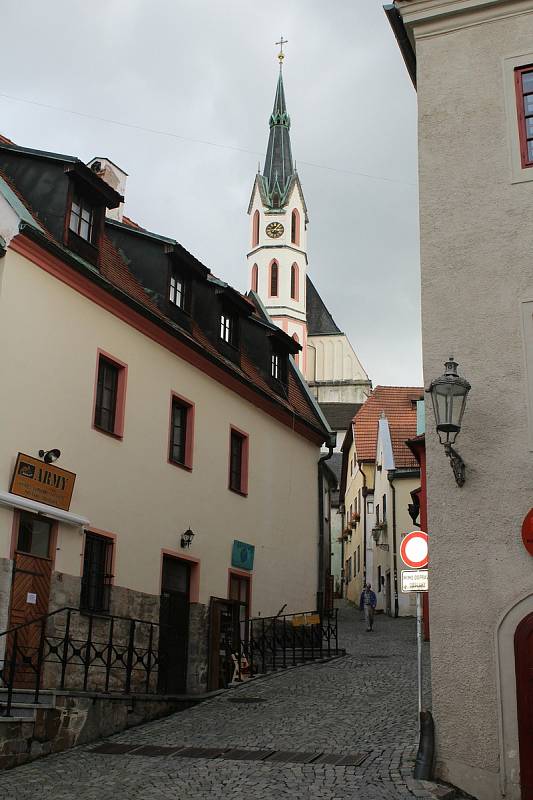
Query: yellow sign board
[(305, 619), (42, 482)]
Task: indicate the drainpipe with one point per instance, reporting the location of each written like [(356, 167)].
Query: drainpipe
[(364, 493), (321, 565), (390, 477)]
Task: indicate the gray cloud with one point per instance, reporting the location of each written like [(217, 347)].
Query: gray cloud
[(207, 70)]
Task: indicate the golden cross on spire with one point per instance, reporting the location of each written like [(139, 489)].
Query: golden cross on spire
[(281, 54)]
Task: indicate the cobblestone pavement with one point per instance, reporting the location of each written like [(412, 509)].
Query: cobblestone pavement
[(364, 702)]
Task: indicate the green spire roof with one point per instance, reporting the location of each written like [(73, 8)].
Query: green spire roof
[(279, 167)]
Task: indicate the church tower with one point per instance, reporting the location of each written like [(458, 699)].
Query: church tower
[(278, 230)]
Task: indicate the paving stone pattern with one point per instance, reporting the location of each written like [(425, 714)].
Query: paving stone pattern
[(363, 703)]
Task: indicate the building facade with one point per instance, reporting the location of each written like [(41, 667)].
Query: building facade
[(378, 474), (473, 65), (171, 410)]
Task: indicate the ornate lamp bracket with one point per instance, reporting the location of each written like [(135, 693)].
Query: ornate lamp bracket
[(457, 464)]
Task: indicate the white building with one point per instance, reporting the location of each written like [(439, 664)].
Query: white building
[(278, 266), (472, 61)]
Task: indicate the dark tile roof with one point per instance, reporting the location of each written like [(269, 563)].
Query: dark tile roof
[(319, 320), (340, 415), (113, 267), (279, 167), (335, 465)]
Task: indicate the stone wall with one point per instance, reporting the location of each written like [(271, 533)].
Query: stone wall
[(77, 720), (6, 570), (197, 668)]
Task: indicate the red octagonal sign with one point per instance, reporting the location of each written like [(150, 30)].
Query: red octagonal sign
[(527, 532), (414, 550)]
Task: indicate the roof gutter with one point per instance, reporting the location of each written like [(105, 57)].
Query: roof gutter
[(404, 43)]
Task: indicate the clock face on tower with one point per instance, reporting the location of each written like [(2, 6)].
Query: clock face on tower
[(274, 230)]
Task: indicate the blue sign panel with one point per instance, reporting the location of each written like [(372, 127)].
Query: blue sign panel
[(242, 555)]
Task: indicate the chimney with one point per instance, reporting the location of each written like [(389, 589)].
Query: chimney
[(115, 177)]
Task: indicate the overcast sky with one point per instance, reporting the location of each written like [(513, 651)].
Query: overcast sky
[(206, 70)]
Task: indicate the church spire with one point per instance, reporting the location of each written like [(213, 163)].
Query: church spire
[(279, 167)]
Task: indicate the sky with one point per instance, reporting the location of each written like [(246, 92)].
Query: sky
[(192, 84)]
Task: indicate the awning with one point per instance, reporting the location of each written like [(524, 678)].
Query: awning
[(13, 500)]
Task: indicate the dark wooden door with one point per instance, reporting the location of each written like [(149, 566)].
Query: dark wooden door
[(174, 626), (523, 645), (30, 593), (388, 594), (224, 632)]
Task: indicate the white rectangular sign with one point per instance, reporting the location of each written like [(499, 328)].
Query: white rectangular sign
[(31, 598), (414, 580)]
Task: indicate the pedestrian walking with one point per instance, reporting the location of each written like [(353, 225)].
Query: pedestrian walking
[(367, 603)]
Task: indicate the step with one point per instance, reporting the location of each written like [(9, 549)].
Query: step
[(46, 696), (19, 711)]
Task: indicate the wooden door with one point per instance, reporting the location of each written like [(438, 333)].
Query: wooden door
[(224, 622), (388, 594), (30, 594), (523, 643), (174, 626)]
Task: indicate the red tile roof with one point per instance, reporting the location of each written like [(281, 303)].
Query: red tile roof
[(5, 140), (397, 403)]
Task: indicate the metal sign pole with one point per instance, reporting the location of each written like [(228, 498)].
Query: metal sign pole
[(419, 649)]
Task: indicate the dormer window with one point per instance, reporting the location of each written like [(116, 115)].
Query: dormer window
[(177, 290), (82, 218), (228, 327), (278, 365), (275, 367)]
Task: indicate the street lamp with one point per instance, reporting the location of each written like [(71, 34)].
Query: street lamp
[(448, 394), (186, 538)]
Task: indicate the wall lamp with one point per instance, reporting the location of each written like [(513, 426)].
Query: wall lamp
[(49, 456), (448, 394), (186, 538)]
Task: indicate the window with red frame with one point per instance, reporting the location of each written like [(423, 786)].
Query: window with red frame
[(106, 395), (238, 463), (524, 100), (109, 400), (181, 422), (295, 227), (254, 277), (255, 229), (294, 282), (274, 279)]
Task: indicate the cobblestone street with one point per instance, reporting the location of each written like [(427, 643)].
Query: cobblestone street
[(363, 703)]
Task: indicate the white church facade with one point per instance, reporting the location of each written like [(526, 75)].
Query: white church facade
[(278, 266)]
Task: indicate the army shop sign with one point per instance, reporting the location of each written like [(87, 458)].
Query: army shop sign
[(41, 482)]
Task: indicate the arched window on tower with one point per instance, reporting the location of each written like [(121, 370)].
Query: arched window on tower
[(255, 229), (297, 355), (295, 282), (295, 227), (274, 279), (254, 278)]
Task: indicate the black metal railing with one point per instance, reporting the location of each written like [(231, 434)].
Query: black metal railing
[(271, 643), (76, 650)]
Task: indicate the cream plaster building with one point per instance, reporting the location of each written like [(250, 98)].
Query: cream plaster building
[(473, 65), (175, 403), (378, 474)]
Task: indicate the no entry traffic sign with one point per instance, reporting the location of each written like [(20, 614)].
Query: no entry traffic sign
[(414, 550)]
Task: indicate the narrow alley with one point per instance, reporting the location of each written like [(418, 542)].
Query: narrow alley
[(358, 711)]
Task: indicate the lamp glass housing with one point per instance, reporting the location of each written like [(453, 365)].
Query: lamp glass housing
[(448, 395)]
